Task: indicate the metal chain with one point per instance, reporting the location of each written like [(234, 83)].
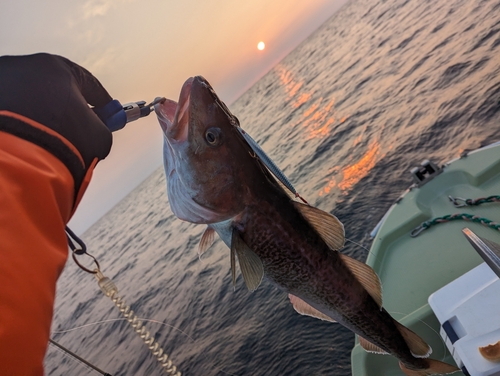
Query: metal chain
[(109, 289), (452, 217), (459, 202)]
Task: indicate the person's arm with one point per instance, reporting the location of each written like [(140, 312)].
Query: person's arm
[(50, 141)]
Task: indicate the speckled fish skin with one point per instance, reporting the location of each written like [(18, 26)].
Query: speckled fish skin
[(298, 261), (220, 182)]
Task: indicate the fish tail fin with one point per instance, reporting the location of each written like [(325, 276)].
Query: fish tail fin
[(418, 347), (435, 367)]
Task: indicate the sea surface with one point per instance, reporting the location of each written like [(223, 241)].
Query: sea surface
[(381, 86)]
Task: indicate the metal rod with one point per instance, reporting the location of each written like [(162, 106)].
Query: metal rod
[(80, 359), (488, 250)]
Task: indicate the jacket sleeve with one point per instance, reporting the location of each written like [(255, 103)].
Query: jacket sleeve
[(36, 197), (50, 142)]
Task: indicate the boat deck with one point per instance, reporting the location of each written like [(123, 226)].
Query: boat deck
[(413, 268)]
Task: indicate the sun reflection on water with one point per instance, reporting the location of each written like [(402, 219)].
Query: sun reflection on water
[(319, 117), (319, 120), (352, 174)]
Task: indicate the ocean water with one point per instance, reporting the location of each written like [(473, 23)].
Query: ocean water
[(375, 90)]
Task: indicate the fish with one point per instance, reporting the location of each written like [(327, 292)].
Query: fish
[(214, 177)]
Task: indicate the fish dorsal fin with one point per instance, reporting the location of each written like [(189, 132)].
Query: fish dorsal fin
[(366, 276), (207, 239), (328, 226), (250, 264), (305, 309), (418, 347), (370, 347)]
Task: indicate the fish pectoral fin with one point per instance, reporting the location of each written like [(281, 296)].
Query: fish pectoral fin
[(418, 347), (207, 239), (366, 276), (370, 347), (250, 264), (305, 309), (326, 225)]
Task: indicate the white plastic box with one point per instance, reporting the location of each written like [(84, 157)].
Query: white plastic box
[(468, 310)]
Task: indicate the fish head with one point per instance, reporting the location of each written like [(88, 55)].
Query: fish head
[(203, 155)]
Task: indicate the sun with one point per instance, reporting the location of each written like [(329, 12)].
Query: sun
[(261, 45)]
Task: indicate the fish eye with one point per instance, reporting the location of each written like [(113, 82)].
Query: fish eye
[(212, 135)]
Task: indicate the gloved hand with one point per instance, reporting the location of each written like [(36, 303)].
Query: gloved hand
[(56, 92)]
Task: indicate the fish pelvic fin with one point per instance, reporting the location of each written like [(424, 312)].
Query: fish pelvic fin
[(435, 367), (418, 347), (366, 276), (305, 309), (207, 239), (370, 347), (250, 264), (326, 225)]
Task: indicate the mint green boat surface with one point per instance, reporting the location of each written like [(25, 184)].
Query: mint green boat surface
[(412, 268)]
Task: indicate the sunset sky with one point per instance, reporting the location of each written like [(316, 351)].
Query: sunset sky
[(143, 49)]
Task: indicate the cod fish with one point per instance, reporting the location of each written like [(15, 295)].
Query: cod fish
[(214, 177)]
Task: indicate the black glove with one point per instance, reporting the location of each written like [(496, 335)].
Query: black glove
[(56, 92)]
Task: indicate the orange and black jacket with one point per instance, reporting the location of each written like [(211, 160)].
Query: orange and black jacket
[(50, 141)]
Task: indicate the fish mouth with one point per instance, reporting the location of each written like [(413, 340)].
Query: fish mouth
[(174, 117)]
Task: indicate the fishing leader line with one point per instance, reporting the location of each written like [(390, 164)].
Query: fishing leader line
[(122, 319), (405, 314), (142, 319), (111, 291), (428, 326), (358, 244)]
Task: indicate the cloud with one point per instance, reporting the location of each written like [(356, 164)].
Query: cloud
[(94, 8), (99, 8)]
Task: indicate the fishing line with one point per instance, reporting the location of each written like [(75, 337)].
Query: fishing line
[(358, 244), (109, 289), (403, 314), (361, 246), (430, 327), (121, 319), (142, 319)]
